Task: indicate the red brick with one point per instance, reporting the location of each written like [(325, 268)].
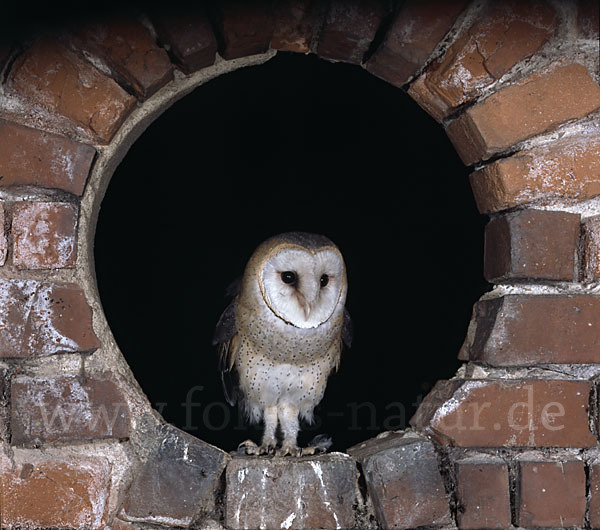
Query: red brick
[(349, 29), (482, 493), (189, 37), (43, 318), (316, 492), (51, 76), (128, 49), (532, 244), (404, 481), (245, 28), (552, 494), (588, 19), (42, 493), (37, 158), (508, 413), (506, 33), (414, 33), (66, 408), (44, 235), (521, 330), (3, 238), (534, 105), (595, 494), (294, 25), (565, 169), (591, 249), (4, 402)]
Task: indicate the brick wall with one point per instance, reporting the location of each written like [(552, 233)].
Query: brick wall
[(511, 440)]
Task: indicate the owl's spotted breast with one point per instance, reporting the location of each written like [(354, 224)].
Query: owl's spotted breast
[(282, 335)]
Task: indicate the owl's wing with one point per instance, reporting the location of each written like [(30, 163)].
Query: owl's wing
[(346, 340), (347, 332), (226, 338)]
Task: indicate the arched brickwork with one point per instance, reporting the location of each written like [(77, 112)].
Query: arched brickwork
[(511, 440)]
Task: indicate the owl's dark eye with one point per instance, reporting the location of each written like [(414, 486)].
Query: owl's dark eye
[(288, 277), (324, 280)]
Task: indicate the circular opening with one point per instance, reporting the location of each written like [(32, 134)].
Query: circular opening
[(295, 144)]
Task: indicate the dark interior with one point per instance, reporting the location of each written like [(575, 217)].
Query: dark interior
[(295, 144)]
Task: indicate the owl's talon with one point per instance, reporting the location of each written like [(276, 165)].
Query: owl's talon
[(248, 447), (289, 450)]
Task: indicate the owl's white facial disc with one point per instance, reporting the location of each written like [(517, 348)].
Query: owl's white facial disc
[(301, 287)]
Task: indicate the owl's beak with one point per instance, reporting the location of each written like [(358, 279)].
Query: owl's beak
[(308, 297), (307, 309)]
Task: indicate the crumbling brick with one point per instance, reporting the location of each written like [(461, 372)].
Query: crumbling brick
[(349, 29), (404, 481), (41, 492), (508, 413), (178, 482), (244, 28), (37, 158), (521, 330), (534, 105), (67, 409), (44, 318), (295, 25), (126, 46), (532, 244), (51, 76), (504, 34), (564, 169), (44, 235), (312, 492), (414, 33), (189, 36)]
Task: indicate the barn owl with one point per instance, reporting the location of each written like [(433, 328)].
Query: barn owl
[(282, 335)]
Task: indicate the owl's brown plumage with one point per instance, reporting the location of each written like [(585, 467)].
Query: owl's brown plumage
[(282, 335)]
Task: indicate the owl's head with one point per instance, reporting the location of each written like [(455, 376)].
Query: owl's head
[(301, 277)]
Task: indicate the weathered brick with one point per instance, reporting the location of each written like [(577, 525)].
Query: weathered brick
[(294, 25), (44, 235), (534, 105), (588, 19), (404, 481), (4, 402), (414, 33), (244, 28), (508, 413), (349, 29), (504, 34), (39, 492), (310, 492), (552, 494), (188, 35), (482, 493), (126, 46), (595, 494), (67, 408), (3, 237), (591, 249), (44, 318), (520, 330), (565, 169), (532, 244), (178, 483), (50, 75), (37, 158)]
